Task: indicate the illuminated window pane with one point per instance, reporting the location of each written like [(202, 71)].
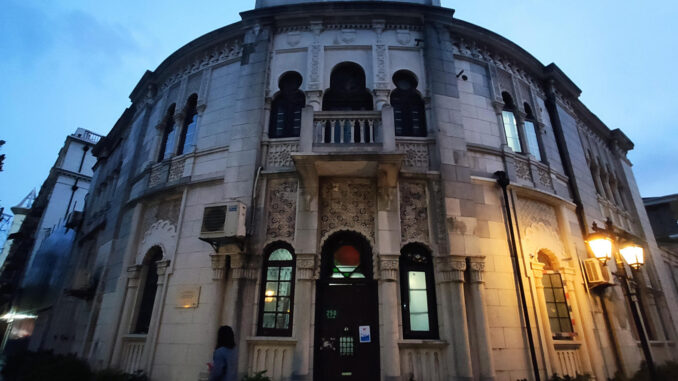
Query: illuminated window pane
[(269, 321), (285, 273), (284, 289), (282, 321), (532, 142), (417, 280), (418, 302), (280, 255), (272, 273), (556, 305), (511, 128), (419, 322)]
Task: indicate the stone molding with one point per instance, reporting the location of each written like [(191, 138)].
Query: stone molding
[(388, 267), (161, 270), (306, 266)]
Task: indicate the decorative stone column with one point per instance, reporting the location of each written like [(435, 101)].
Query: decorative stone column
[(303, 315), (542, 319), (482, 336), (452, 275), (568, 275), (388, 271), (307, 130), (218, 262), (158, 307)]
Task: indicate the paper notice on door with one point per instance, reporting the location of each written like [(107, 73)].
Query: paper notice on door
[(365, 336)]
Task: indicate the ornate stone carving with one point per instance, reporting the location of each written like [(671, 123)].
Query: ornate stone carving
[(545, 177), (306, 266), (282, 209), (477, 269), (451, 268), (210, 57), (162, 234), (523, 170), (314, 77), (347, 205), (176, 170), (539, 227), (278, 155), (293, 38), (416, 154), (403, 36), (413, 212), (388, 267)]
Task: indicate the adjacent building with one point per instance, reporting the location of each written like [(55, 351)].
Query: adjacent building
[(363, 190)]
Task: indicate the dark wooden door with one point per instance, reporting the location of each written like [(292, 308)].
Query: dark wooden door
[(343, 306)]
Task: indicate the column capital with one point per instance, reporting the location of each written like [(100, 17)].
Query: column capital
[(133, 273), (477, 269), (537, 272), (388, 267), (218, 262), (306, 266), (452, 268)]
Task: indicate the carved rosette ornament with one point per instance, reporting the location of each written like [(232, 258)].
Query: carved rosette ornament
[(282, 209), (413, 212), (476, 269), (388, 266), (452, 268)]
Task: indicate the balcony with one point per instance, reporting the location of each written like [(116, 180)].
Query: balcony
[(352, 127), (132, 352)]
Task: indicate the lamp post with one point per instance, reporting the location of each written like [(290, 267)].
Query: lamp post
[(606, 243)]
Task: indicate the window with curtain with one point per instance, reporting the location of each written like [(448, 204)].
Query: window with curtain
[(277, 292), (417, 288), (167, 142), (510, 123), (408, 107), (187, 138)]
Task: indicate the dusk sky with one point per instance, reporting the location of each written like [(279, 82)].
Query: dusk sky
[(69, 64)]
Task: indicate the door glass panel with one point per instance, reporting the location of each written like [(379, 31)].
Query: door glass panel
[(346, 346)]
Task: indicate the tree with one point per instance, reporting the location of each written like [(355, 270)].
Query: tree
[(2, 157)]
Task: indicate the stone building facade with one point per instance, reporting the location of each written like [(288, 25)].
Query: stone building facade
[(356, 147)]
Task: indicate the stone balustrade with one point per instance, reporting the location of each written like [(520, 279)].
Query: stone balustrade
[(348, 127), (132, 352)]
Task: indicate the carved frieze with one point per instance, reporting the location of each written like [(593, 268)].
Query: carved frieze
[(388, 267), (347, 204), (523, 170), (413, 212), (416, 154), (278, 155), (545, 177), (476, 269), (282, 209), (538, 223), (451, 268)]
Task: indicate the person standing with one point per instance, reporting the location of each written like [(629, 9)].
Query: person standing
[(224, 363)]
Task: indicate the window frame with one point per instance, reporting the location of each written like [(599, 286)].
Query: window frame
[(261, 330), (406, 266), (509, 109), (190, 120), (145, 299), (406, 102), (536, 128), (169, 129)]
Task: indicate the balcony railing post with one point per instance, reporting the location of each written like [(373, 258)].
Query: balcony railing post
[(307, 130), (387, 128)]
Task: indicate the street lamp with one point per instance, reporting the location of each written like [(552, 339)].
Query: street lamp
[(608, 242)]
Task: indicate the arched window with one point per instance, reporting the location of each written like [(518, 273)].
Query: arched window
[(532, 133), (277, 291), (408, 107), (510, 124), (556, 300), (285, 119), (417, 290), (187, 138), (149, 275), (167, 143), (347, 90)]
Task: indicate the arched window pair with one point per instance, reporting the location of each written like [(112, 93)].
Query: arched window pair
[(417, 293), (285, 119), (408, 107), (525, 137), (186, 131)]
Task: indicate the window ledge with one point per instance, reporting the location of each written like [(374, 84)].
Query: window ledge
[(419, 343), (272, 340), (566, 344)]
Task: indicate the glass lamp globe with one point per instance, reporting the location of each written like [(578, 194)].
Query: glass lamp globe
[(601, 246), (633, 255)]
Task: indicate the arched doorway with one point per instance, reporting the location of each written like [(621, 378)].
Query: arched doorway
[(347, 315)]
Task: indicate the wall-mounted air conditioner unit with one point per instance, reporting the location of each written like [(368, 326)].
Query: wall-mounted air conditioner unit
[(224, 221), (596, 273)]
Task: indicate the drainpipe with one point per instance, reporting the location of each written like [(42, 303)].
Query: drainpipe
[(503, 181)]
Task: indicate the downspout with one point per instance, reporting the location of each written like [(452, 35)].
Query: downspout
[(503, 181)]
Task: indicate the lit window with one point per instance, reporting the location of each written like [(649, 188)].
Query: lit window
[(556, 300), (277, 293), (418, 293), (510, 125), (532, 133)]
